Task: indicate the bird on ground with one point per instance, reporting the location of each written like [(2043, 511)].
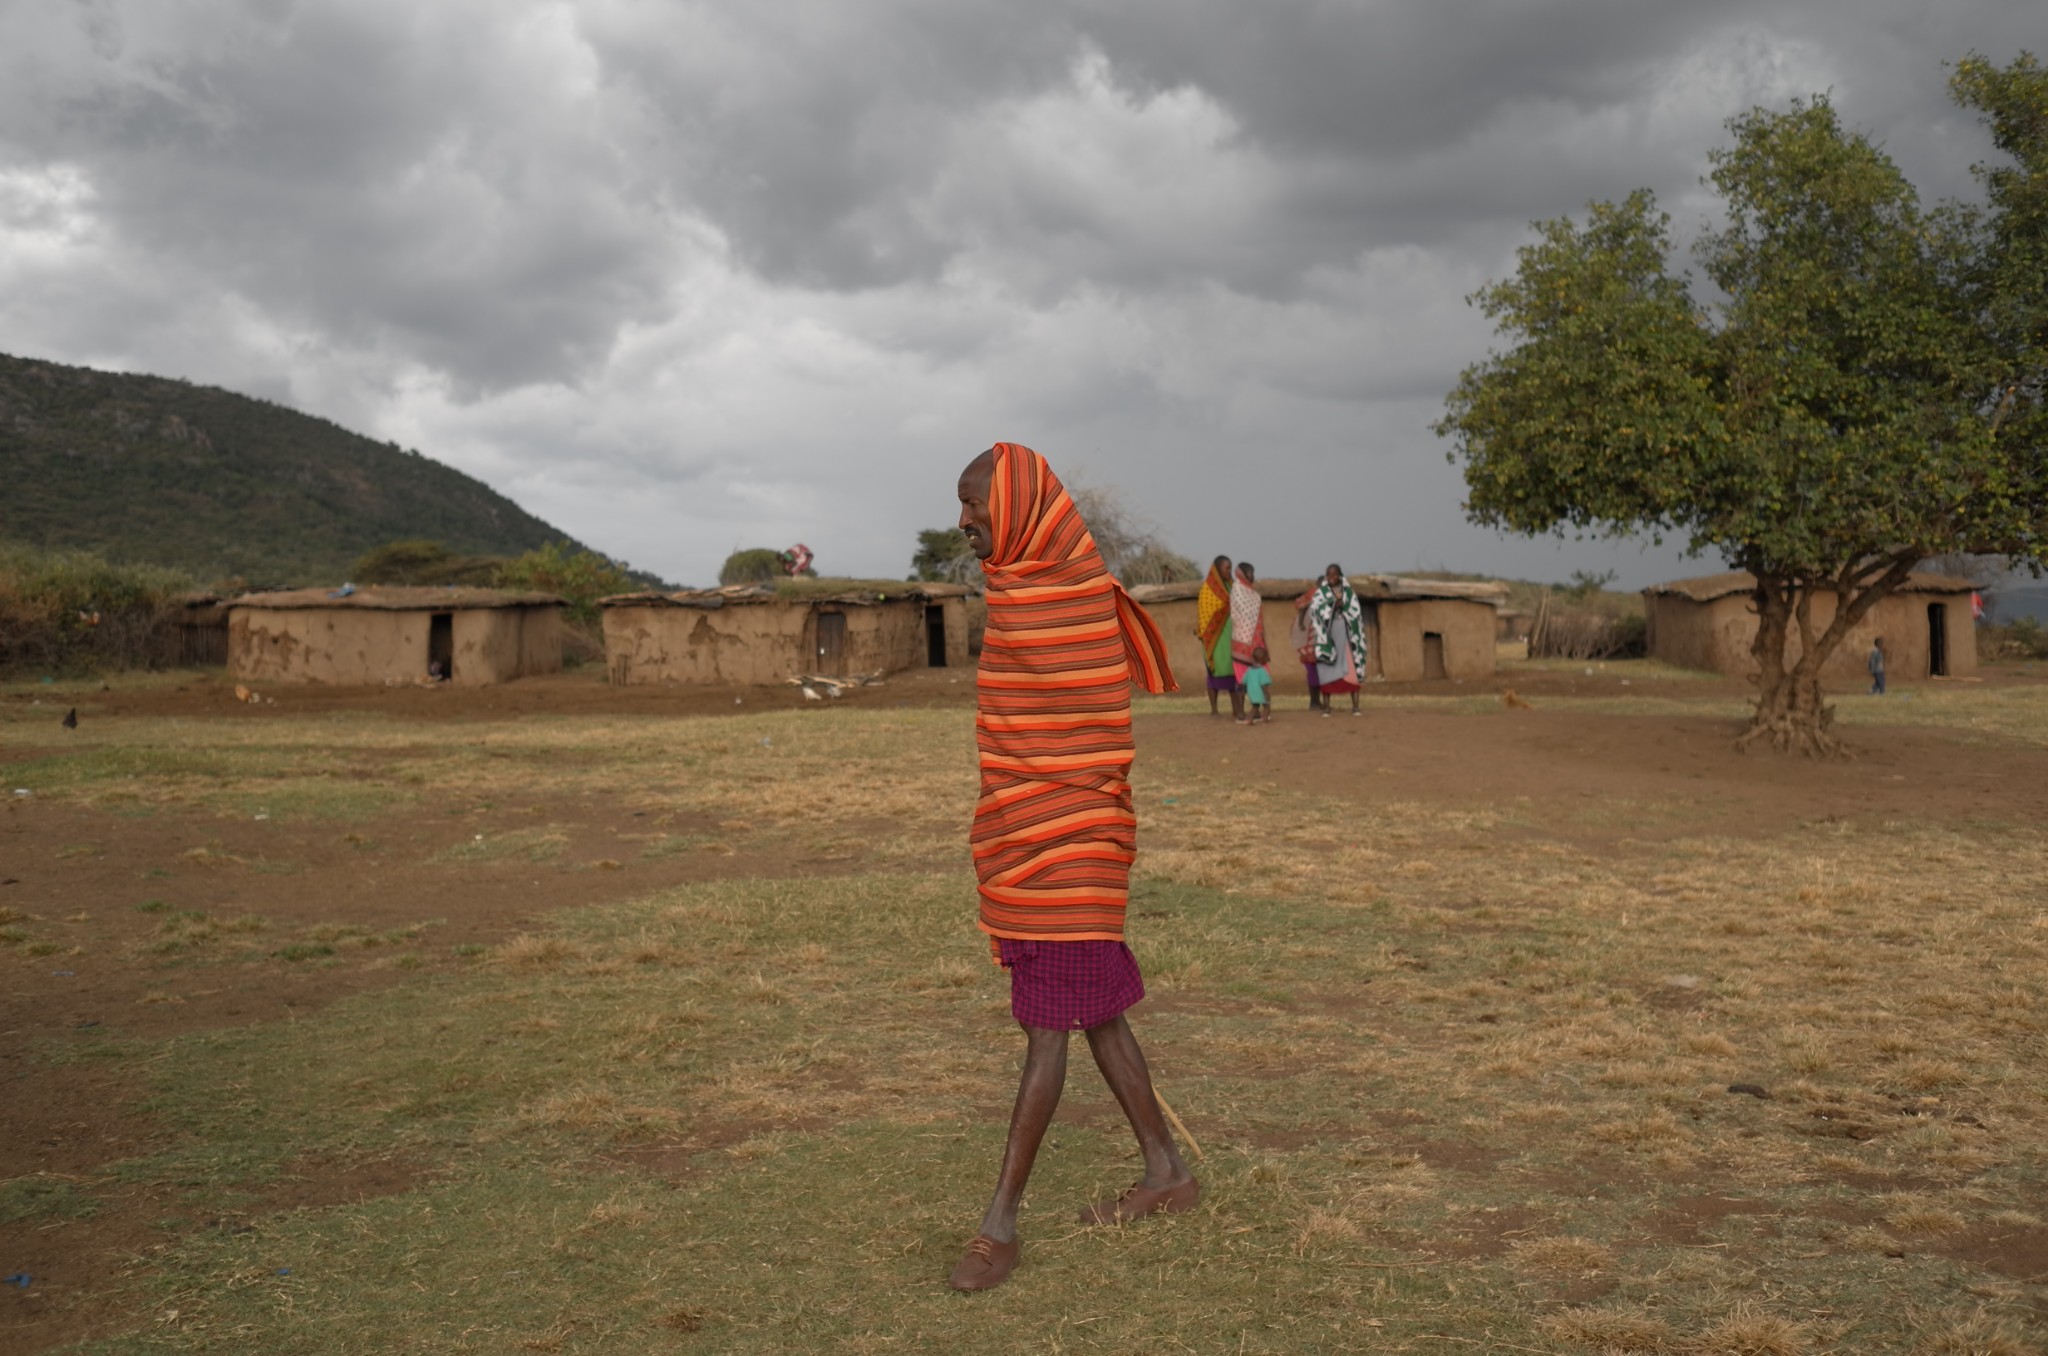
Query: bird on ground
[(811, 693), (832, 692), (71, 719)]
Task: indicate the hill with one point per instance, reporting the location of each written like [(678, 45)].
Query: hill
[(153, 469)]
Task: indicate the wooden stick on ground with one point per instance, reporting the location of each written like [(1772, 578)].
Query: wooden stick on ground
[(1194, 1146)]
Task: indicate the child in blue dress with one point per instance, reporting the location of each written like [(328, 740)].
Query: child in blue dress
[(1256, 682)]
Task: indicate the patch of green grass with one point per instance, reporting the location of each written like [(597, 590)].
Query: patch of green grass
[(41, 1197), (303, 951), (1975, 712), (543, 844)]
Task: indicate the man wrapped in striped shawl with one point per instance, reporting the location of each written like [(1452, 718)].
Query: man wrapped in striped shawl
[(1054, 828)]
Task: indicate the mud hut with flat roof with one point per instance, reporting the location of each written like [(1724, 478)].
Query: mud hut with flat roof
[(1414, 628), (393, 635), (1710, 623), (766, 633)]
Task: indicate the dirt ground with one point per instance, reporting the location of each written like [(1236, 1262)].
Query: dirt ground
[(378, 875)]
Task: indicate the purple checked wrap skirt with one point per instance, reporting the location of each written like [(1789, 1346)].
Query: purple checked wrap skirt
[(1069, 986)]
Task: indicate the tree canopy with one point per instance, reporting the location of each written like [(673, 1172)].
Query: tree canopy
[(580, 577), (943, 556), (1863, 387), (1130, 547)]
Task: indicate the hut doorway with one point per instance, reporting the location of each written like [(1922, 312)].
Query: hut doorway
[(935, 636), (1433, 655), (832, 644), (1937, 640), (441, 646)]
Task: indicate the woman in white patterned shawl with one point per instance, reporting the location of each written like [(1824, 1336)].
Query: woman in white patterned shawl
[(1337, 626)]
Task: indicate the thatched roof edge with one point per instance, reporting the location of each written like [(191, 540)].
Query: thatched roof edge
[(1708, 588), (763, 595), (396, 599)]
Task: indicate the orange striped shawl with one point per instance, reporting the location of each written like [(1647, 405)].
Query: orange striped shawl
[(1054, 829)]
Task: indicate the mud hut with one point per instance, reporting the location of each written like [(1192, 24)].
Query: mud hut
[(1710, 623), (1414, 628), (762, 633), (393, 635)]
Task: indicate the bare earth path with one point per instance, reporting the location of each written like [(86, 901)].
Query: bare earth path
[(103, 886)]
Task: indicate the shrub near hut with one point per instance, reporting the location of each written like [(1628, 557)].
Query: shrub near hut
[(70, 612)]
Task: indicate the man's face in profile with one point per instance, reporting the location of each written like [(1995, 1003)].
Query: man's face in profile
[(975, 484)]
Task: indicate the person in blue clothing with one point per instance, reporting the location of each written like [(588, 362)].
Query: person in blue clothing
[(1257, 679), (1877, 667)]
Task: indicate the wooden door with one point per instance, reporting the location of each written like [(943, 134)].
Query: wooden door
[(831, 655)]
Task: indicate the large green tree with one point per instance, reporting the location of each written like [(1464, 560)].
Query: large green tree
[(1863, 387)]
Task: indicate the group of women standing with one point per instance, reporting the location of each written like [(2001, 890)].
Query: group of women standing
[(1328, 635)]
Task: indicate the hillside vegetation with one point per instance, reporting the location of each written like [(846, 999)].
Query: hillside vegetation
[(151, 469)]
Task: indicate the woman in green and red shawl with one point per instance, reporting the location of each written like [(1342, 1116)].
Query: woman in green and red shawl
[(1212, 627)]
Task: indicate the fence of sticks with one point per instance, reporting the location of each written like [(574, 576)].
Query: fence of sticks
[(1564, 631)]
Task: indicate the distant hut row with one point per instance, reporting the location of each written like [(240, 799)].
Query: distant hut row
[(1416, 630), (471, 637), (1709, 623), (758, 634)]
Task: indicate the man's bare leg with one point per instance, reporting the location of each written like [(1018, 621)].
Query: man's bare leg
[(1038, 1096), (1123, 1068)]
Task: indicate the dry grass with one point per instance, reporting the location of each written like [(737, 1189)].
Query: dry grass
[(1631, 1332), (1976, 1333), (1447, 1092), (1562, 1256), (1751, 1332)]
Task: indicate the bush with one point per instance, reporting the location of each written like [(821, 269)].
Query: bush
[(579, 577), (755, 565), (422, 562), (2023, 638), (72, 612)]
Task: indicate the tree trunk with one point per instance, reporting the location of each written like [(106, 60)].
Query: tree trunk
[(1791, 711)]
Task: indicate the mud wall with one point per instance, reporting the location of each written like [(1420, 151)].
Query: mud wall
[(1716, 636), (1399, 649), (362, 647), (886, 638), (496, 645), (768, 643), (344, 647)]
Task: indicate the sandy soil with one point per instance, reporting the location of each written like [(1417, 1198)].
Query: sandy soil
[(69, 1120)]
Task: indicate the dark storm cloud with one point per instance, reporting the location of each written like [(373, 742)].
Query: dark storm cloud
[(689, 275), (373, 172)]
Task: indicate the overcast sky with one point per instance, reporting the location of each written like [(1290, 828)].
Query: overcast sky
[(683, 277)]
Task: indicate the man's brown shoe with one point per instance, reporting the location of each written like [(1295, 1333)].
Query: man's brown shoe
[(986, 1264), (1139, 1200)]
